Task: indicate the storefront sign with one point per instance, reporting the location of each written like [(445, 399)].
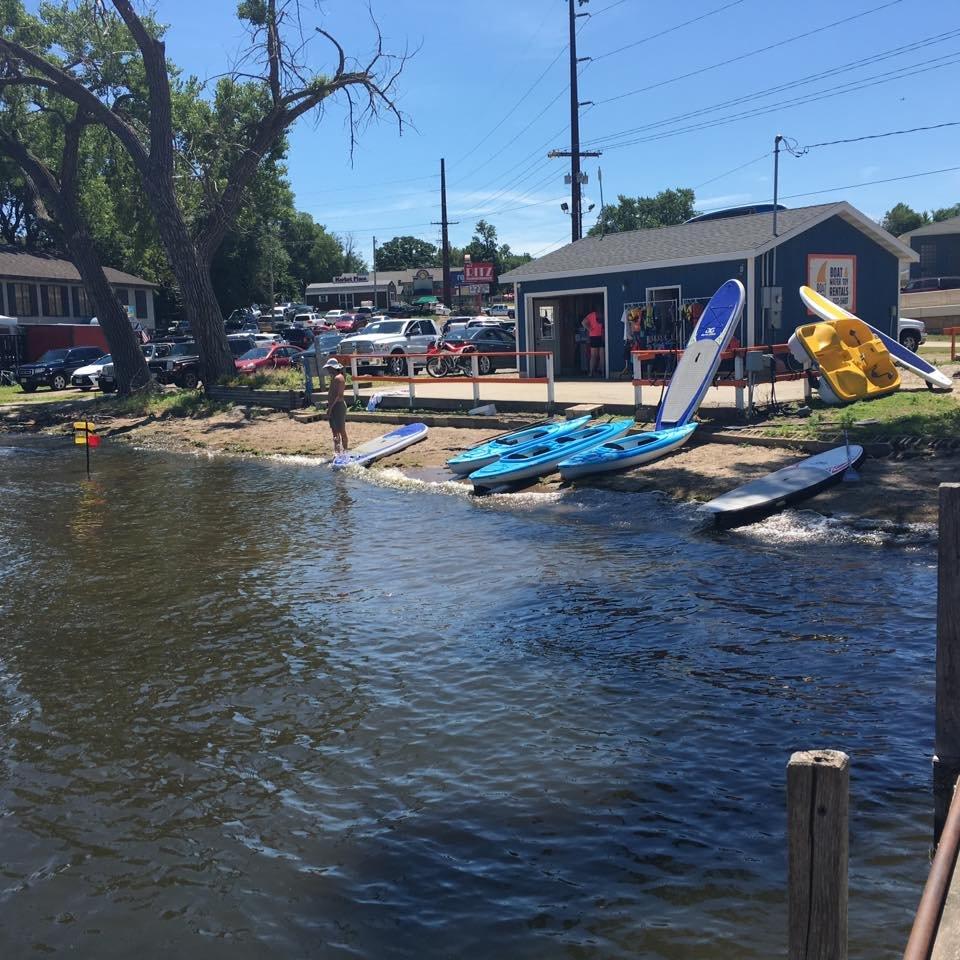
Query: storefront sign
[(351, 278), (478, 273), (834, 276), (472, 289)]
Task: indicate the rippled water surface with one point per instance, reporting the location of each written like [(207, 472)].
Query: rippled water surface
[(254, 709)]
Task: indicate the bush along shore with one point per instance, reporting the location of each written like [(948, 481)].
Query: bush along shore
[(912, 439)]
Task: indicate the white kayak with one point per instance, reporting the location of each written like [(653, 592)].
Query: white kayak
[(828, 310), (391, 442), (769, 494)]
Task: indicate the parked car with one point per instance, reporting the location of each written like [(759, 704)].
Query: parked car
[(107, 380), (351, 322), (266, 357), (394, 337), (911, 333), (55, 368), (500, 310), (86, 377), (332, 316), (329, 344), (924, 284), (241, 321), (301, 337), (181, 365), (396, 310), (155, 350), (489, 339), (240, 343)]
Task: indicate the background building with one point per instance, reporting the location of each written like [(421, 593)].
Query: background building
[(669, 274), (38, 287)]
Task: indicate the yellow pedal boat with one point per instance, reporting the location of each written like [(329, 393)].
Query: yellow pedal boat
[(854, 364)]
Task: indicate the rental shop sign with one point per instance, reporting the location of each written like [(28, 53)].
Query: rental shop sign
[(834, 276)]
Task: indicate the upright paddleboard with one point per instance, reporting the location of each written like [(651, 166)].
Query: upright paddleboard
[(391, 442), (769, 494), (828, 310), (701, 358)]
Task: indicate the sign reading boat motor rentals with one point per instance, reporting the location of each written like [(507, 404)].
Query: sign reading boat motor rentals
[(478, 273), (834, 276)]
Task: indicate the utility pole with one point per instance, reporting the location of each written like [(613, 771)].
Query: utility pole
[(444, 241), (574, 153), (375, 275)]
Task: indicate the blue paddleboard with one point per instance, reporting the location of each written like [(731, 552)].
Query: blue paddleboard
[(701, 358), (391, 442)]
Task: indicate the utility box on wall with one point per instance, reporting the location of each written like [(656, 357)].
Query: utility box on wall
[(772, 303)]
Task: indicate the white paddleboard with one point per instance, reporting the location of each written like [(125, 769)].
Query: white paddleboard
[(776, 490), (701, 358), (828, 310), (391, 442)]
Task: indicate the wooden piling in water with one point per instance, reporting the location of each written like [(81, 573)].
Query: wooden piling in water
[(818, 787), (946, 745)]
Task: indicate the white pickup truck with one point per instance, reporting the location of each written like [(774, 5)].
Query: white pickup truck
[(911, 333), (393, 337)]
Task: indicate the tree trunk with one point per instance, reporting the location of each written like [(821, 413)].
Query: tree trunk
[(196, 287), (129, 363)]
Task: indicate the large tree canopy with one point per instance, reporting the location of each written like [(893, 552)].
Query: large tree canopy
[(485, 247), (404, 253), (194, 179), (666, 209)]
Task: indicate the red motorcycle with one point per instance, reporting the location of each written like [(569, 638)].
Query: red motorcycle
[(450, 359)]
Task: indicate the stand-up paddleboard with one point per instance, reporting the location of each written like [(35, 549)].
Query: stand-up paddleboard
[(537, 459), (772, 493), (701, 358), (494, 449), (391, 442), (828, 310), (633, 450)]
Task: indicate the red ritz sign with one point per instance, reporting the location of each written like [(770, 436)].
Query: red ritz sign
[(478, 273)]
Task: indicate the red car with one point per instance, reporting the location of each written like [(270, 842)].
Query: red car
[(351, 322), (267, 356)]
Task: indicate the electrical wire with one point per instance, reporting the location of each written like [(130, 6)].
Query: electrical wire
[(663, 33), (880, 136), (750, 53), (720, 176)]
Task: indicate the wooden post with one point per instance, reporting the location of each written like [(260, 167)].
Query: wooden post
[(818, 783), (946, 742)]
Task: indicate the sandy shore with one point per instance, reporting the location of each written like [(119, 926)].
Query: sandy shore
[(891, 490)]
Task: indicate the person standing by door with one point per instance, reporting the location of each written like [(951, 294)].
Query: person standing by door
[(593, 324)]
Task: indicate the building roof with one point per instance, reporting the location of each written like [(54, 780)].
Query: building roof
[(932, 229), (316, 289), (39, 265), (703, 241)]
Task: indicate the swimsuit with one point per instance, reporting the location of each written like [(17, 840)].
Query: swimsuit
[(338, 416)]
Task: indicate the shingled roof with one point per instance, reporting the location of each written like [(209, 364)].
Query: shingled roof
[(933, 229), (17, 264), (702, 241)]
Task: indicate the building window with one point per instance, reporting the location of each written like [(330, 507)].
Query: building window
[(346, 301), (928, 259), (54, 301), (141, 298), (123, 295), (81, 303), (24, 299)]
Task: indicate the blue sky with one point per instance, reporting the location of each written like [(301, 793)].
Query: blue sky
[(487, 89)]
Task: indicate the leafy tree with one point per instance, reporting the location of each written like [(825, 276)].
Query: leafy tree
[(901, 219), (945, 213), (87, 59), (404, 253), (666, 209), (484, 247)]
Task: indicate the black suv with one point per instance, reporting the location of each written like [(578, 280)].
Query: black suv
[(55, 368), (180, 366)]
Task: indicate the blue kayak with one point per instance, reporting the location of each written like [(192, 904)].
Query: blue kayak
[(536, 459), (625, 452), (494, 449)]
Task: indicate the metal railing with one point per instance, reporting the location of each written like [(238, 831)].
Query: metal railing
[(738, 381), (475, 378), (953, 331)]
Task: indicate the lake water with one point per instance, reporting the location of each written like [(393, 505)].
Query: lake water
[(253, 709)]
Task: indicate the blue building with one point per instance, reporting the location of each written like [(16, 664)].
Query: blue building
[(667, 274), (938, 247)]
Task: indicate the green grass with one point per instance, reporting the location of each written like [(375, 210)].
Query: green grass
[(15, 394), (909, 414)]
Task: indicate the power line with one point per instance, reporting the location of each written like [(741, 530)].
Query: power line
[(750, 53), (880, 136), (871, 183), (846, 67), (909, 71), (663, 33), (720, 176)]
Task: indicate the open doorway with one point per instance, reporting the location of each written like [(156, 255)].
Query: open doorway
[(554, 324)]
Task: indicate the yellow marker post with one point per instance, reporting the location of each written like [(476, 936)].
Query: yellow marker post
[(85, 436)]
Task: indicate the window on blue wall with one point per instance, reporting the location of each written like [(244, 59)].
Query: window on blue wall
[(928, 258)]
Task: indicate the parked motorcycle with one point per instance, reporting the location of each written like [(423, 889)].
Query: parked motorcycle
[(449, 360)]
